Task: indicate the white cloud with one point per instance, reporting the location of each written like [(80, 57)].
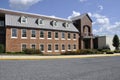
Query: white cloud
[(22, 4), (100, 7), (83, 0), (74, 14), (103, 26)]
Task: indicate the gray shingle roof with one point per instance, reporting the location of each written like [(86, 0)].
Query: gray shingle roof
[(12, 19)]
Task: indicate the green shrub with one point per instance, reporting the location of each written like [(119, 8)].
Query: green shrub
[(32, 51), (117, 51), (2, 48), (14, 53), (110, 52), (81, 52), (105, 50)]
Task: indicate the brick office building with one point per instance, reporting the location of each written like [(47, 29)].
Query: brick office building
[(19, 30)]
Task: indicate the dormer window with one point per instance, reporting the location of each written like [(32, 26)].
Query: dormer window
[(66, 25), (23, 19), (54, 23), (40, 21)]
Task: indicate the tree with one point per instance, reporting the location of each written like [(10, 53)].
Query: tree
[(116, 42)]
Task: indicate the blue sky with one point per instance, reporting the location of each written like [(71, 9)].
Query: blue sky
[(104, 13)]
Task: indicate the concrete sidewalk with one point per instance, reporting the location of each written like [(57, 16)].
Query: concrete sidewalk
[(21, 57)]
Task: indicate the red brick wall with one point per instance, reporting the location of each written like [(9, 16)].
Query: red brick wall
[(14, 44)]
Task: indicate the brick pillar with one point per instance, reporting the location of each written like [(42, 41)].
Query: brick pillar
[(82, 44), (91, 43)]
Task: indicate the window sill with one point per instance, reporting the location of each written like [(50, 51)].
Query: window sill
[(49, 51), (14, 37), (49, 38), (56, 50), (63, 50), (41, 38), (23, 37), (32, 38), (62, 39)]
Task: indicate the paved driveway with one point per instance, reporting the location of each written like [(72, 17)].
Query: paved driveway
[(105, 68)]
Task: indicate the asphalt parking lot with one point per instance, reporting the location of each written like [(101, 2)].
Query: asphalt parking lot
[(103, 68)]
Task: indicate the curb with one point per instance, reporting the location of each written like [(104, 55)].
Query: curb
[(4, 57)]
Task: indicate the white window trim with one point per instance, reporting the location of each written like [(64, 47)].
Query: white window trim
[(51, 47), (31, 34), (32, 44), (38, 22), (44, 47), (61, 36), (21, 34), (73, 36), (44, 34), (55, 47), (54, 23), (51, 35), (70, 47), (69, 38), (22, 18), (22, 44), (11, 34), (61, 48), (55, 37), (66, 25), (73, 47)]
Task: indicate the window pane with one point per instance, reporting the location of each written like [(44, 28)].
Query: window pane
[(23, 19), (69, 47), (74, 36), (74, 46), (14, 32), (63, 47), (63, 35), (33, 33), (33, 46), (24, 33), (49, 47), (49, 34), (23, 47), (69, 36), (42, 47), (41, 34), (56, 34), (1, 23), (56, 47)]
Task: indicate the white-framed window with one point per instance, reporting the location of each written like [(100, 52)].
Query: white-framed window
[(1, 23), (69, 36), (67, 24), (63, 35), (56, 35), (23, 19), (49, 48), (42, 34), (23, 46), (56, 47), (63, 47), (40, 22), (24, 33), (14, 32), (69, 47), (42, 47), (49, 35), (33, 33), (74, 47), (74, 36), (54, 23), (33, 46)]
